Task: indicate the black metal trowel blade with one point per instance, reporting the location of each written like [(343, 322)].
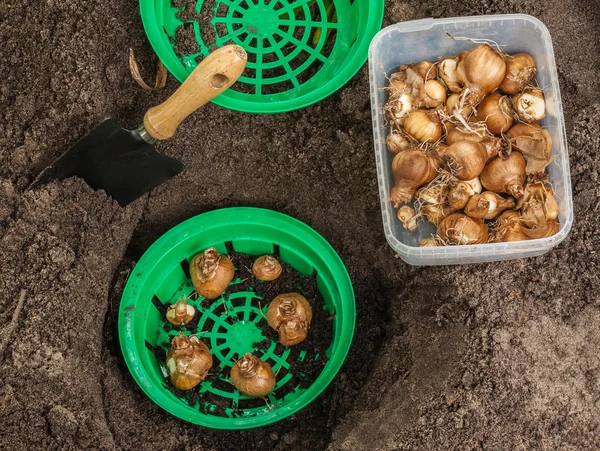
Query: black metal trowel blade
[(116, 160)]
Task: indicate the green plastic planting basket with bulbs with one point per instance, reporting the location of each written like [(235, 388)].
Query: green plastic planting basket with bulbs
[(299, 51), (162, 277)]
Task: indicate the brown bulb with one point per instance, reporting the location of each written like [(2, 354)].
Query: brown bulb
[(465, 160), (505, 175), (429, 242), (211, 273), (550, 229), (537, 220), (520, 70), (412, 169), (448, 73), (435, 213), (293, 332), (188, 361), (539, 211), (424, 69), (508, 227), (481, 70), (290, 315), (455, 106), (253, 377), (545, 195), (459, 195), (180, 313), (477, 207), (534, 143), (487, 205), (436, 92), (476, 134), (432, 95), (407, 216), (423, 126), (397, 143), (397, 83), (530, 105), (460, 229), (420, 88), (266, 268), (435, 192), (497, 113)]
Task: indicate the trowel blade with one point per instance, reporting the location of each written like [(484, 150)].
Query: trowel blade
[(116, 160)]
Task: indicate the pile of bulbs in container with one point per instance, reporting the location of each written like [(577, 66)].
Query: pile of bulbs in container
[(469, 151), (189, 359)]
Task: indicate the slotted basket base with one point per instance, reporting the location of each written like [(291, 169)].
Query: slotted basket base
[(299, 51), (232, 325)]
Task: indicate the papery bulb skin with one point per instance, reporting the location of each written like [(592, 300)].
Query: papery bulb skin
[(534, 142), (290, 315), (505, 175), (267, 268), (436, 213), (481, 70), (508, 228), (188, 362), (496, 112), (465, 159), (253, 377), (520, 71), (397, 143), (530, 105), (448, 73), (211, 273), (460, 229), (180, 313), (412, 169)]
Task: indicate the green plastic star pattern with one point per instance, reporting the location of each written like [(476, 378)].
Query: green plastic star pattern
[(299, 51), (233, 324)]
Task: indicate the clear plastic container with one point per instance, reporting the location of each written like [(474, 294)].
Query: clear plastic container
[(426, 39)]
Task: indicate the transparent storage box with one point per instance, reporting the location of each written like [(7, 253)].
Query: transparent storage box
[(426, 40)]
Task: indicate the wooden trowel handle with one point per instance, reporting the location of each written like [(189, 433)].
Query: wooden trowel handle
[(216, 73)]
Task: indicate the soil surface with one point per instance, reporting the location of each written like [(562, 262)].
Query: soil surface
[(495, 356)]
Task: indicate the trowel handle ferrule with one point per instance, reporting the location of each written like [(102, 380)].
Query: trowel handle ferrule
[(145, 135), (215, 74)]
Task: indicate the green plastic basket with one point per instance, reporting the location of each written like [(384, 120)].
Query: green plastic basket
[(160, 275), (299, 51)]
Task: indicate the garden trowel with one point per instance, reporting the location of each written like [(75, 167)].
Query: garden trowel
[(123, 162)]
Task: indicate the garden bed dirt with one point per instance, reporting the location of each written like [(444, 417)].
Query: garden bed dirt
[(492, 356)]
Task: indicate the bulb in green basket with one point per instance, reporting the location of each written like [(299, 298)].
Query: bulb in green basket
[(188, 361), (253, 377), (290, 315), (211, 273), (266, 268), (180, 313)]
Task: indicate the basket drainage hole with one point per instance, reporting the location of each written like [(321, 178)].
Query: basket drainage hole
[(252, 403)]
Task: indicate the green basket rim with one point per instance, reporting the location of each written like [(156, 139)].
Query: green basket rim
[(195, 226), (374, 20)]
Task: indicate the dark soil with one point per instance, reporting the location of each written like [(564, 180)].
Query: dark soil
[(496, 356)]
